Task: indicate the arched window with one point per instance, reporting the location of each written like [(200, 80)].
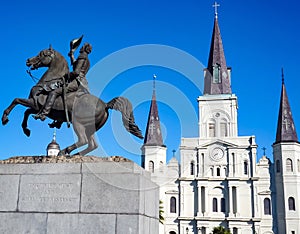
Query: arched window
[(234, 230), (215, 205), (223, 204), (289, 165), (223, 129), (203, 198), (218, 171), (278, 169), (211, 129), (151, 166), (212, 171), (192, 168), (172, 232), (245, 168), (172, 205), (267, 206), (233, 163), (291, 202), (234, 200)]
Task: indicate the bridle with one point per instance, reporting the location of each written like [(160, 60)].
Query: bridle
[(47, 53)]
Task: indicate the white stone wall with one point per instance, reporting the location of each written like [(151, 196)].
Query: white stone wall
[(287, 181)]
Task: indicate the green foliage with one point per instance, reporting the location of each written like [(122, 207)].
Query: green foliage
[(161, 211), (220, 230)]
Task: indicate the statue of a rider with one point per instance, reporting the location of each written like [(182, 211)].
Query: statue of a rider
[(75, 82)]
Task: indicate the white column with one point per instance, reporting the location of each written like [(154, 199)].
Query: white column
[(237, 202), (230, 199), (199, 213), (206, 201)]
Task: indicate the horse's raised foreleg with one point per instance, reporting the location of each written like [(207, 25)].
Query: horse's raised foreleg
[(82, 139), (16, 101), (92, 144), (28, 112)]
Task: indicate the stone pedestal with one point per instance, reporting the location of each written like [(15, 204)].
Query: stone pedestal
[(102, 197)]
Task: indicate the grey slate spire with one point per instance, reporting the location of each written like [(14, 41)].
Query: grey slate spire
[(217, 77), (286, 131), (153, 131)]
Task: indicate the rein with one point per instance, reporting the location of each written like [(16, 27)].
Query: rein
[(34, 79)]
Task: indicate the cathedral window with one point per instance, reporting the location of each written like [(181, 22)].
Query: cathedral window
[(216, 73), (223, 129), (203, 230), (234, 230), (223, 205), (291, 202), (245, 168), (267, 206), (218, 171), (172, 205), (215, 205), (172, 232), (278, 169), (234, 200), (211, 130), (233, 163), (202, 199), (289, 165), (212, 171), (151, 166), (192, 168)]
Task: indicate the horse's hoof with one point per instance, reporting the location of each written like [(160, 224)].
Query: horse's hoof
[(26, 132), (4, 120)]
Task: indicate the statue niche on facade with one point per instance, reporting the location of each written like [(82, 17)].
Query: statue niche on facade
[(64, 97)]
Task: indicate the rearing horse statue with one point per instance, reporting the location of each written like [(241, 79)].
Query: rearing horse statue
[(86, 112)]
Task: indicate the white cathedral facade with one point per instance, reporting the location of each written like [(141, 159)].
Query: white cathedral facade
[(220, 181)]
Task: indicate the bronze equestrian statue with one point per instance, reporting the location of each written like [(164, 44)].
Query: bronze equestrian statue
[(64, 96)]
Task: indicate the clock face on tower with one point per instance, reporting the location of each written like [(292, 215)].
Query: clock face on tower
[(217, 154)]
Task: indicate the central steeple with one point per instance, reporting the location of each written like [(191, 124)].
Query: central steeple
[(217, 75)]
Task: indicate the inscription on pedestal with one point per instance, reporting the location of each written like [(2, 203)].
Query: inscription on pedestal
[(51, 193)]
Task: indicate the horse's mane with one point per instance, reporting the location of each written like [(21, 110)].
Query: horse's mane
[(60, 63)]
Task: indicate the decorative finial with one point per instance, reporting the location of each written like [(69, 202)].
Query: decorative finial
[(282, 75), (174, 151), (264, 149), (216, 5), (154, 77)]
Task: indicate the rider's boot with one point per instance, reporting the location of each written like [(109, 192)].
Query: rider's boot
[(47, 108)]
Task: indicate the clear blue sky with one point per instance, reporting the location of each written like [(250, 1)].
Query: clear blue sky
[(131, 41)]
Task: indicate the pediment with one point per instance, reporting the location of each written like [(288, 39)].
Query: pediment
[(219, 142)]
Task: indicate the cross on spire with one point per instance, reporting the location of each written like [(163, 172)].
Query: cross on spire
[(154, 77), (264, 149), (216, 5)]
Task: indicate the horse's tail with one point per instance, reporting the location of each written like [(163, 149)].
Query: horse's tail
[(124, 106)]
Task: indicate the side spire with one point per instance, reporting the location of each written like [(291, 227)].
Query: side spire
[(286, 131), (153, 131), (217, 75)]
